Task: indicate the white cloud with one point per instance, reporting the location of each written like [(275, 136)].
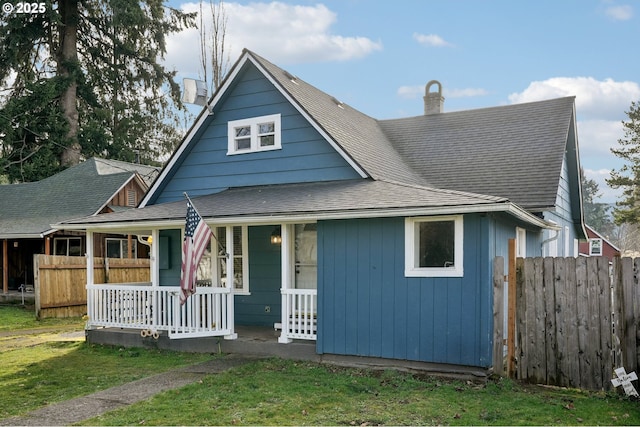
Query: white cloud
[(620, 13), (600, 109), (431, 40), (595, 99), (413, 92), (282, 32), (607, 194), (598, 136)]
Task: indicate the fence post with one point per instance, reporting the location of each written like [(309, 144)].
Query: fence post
[(627, 318), (511, 310), (498, 315)]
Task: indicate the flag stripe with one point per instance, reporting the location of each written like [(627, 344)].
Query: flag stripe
[(196, 239)]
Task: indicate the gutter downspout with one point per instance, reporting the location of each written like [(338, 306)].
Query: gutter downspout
[(550, 239)]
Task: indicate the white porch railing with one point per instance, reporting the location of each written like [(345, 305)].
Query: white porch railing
[(144, 307), (299, 314)]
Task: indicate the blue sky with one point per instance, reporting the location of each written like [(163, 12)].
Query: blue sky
[(377, 56)]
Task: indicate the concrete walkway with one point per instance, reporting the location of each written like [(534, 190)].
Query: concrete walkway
[(82, 408)]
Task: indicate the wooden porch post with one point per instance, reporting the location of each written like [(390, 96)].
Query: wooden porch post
[(90, 260), (5, 266), (511, 318), (230, 278), (285, 245), (47, 245), (154, 261)]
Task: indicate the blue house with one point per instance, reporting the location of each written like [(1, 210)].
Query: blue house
[(373, 238)]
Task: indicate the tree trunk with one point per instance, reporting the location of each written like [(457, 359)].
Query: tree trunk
[(67, 59)]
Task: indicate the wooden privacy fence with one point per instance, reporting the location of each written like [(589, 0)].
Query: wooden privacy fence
[(60, 281), (576, 320)]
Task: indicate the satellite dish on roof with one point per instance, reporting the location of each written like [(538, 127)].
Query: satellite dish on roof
[(195, 92)]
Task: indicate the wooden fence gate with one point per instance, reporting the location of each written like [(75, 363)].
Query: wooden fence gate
[(575, 320), (61, 281)]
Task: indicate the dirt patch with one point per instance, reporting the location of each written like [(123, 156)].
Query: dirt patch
[(11, 340)]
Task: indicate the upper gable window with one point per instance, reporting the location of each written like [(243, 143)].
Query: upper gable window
[(254, 134)]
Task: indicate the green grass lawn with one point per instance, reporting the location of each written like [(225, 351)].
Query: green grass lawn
[(278, 392), (17, 317)]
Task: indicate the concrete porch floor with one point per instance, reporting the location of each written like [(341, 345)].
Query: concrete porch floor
[(263, 341)]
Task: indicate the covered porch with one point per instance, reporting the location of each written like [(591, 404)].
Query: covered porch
[(252, 275)]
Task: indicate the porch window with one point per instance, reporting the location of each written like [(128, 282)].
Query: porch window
[(240, 239), (67, 246), (434, 246), (119, 248), (254, 134)]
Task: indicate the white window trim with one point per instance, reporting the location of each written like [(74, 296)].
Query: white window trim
[(591, 247), (229, 249), (253, 122), (67, 241), (521, 242), (411, 246)]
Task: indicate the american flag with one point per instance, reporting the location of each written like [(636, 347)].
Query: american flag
[(196, 238)]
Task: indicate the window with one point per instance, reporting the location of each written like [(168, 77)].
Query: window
[(254, 134), (433, 247), (521, 242), (239, 236), (67, 246), (595, 247), (119, 248)]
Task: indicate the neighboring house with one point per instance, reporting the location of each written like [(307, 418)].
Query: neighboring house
[(373, 237), (597, 245), (27, 212)]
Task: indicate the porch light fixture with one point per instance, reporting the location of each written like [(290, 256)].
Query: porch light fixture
[(145, 240), (276, 236)]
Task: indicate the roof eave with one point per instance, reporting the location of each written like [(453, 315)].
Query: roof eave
[(257, 219)]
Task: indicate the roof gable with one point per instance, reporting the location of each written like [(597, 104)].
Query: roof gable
[(79, 191), (205, 166), (354, 136)]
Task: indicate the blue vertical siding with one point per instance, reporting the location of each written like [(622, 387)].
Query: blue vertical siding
[(205, 167), (368, 308), (264, 281)]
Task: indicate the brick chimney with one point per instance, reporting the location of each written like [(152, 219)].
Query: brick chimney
[(433, 101)]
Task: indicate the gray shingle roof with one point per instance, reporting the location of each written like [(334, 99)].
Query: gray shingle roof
[(29, 209), (358, 134), (299, 199), (513, 151)]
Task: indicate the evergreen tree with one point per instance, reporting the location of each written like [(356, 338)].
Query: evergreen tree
[(596, 214), (627, 177), (84, 79)]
